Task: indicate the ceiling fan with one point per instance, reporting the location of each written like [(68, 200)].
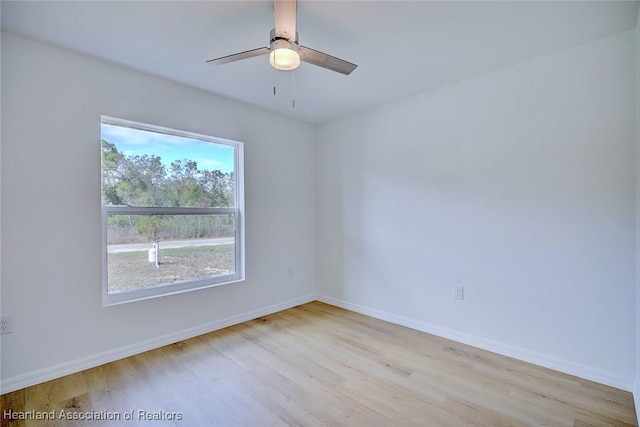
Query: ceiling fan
[(285, 53)]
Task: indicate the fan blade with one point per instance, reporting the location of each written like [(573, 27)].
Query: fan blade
[(239, 56), (326, 61), (284, 12)]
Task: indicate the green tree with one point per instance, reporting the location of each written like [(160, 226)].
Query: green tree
[(144, 180), (112, 161)]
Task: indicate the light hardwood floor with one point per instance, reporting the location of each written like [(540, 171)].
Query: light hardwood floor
[(321, 365)]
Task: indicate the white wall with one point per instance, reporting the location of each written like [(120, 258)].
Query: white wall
[(518, 185), (51, 105)]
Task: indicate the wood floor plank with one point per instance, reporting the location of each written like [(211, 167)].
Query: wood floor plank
[(318, 365)]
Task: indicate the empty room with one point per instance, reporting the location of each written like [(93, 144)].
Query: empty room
[(358, 213)]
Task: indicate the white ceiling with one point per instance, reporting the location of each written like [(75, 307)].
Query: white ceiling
[(401, 48)]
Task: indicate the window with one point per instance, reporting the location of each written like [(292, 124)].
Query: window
[(172, 211)]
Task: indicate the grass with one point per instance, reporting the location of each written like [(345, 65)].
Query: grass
[(130, 271)]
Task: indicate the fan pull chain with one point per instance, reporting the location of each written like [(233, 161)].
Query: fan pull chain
[(274, 74), (293, 89)]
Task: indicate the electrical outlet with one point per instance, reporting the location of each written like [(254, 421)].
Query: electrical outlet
[(458, 292), (290, 273), (6, 325)]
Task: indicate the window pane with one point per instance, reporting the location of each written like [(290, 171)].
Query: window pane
[(172, 211), (154, 169), (191, 247)]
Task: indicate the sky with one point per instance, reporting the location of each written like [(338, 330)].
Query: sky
[(208, 155)]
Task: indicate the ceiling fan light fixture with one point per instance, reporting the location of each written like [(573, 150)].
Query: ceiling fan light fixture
[(284, 54), (284, 59)]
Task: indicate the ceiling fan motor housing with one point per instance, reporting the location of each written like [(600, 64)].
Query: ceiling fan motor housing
[(280, 42)]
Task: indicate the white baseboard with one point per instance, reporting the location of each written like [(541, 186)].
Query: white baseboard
[(32, 378), (565, 366), (604, 377)]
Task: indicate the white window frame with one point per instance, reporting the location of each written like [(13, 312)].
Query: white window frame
[(238, 212)]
